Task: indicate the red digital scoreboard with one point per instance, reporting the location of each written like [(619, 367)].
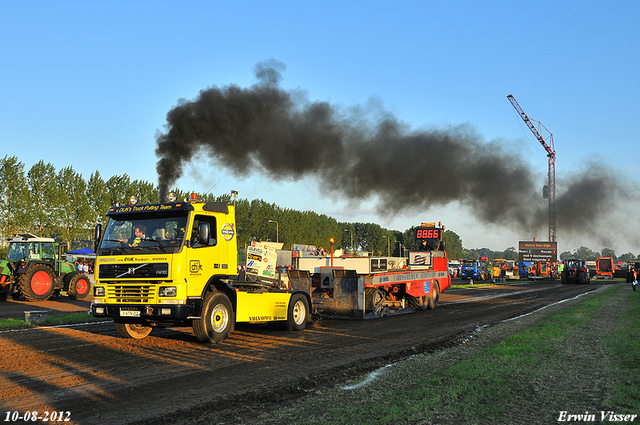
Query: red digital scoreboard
[(427, 233)]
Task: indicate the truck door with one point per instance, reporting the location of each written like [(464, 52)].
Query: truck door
[(204, 261)]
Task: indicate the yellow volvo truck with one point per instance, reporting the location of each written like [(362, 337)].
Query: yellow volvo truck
[(175, 263)]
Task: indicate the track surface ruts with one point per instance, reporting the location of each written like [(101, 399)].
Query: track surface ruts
[(89, 371)]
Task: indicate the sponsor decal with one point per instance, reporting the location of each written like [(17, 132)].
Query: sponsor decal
[(227, 231), (427, 286), (141, 208), (195, 266), (260, 318)]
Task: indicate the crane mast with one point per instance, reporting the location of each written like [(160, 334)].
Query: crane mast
[(551, 154)]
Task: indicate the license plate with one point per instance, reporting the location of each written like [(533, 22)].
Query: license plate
[(129, 313)]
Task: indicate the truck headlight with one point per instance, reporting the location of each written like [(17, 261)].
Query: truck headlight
[(98, 291), (168, 291)]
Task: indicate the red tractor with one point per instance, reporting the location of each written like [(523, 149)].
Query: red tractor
[(575, 271)]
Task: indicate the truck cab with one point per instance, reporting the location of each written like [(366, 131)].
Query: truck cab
[(176, 263), (474, 269)]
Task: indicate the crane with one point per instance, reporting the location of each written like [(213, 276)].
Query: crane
[(551, 154)]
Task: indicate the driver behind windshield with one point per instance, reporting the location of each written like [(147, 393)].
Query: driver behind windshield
[(140, 235)]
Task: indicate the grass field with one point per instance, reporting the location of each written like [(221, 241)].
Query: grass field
[(51, 320), (581, 357)]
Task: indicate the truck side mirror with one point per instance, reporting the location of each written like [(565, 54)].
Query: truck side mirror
[(204, 230), (97, 235)]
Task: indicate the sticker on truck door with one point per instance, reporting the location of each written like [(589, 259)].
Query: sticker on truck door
[(227, 231)]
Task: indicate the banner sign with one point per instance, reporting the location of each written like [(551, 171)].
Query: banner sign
[(538, 252), (262, 259)]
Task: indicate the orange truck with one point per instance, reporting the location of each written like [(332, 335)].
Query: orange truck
[(507, 269), (605, 267)]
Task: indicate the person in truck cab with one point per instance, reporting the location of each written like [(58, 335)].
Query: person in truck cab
[(140, 235)]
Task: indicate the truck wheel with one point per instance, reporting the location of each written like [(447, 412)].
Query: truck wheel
[(132, 330), (298, 313), (37, 283), (79, 286), (215, 320), (435, 296)]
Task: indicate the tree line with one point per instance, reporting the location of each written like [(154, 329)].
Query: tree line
[(63, 205)]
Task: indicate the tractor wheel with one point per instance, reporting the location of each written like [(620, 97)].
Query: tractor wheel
[(298, 313), (435, 296), (79, 286), (37, 283), (583, 278), (563, 277), (132, 330), (216, 318)]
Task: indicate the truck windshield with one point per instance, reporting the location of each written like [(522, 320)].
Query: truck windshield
[(144, 233)]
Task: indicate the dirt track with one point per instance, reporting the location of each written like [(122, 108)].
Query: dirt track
[(169, 377)]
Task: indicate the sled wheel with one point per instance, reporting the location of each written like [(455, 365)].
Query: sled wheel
[(421, 303), (374, 298), (132, 330), (216, 319), (79, 286), (37, 283), (435, 296), (298, 313)]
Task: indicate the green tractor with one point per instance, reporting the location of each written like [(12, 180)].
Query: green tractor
[(34, 268)]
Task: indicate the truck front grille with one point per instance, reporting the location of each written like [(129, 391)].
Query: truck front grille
[(134, 270), (130, 293)]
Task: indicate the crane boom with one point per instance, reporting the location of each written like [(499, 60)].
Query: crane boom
[(551, 154), (533, 129)]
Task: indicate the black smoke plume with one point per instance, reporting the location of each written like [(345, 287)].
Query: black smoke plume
[(285, 136)]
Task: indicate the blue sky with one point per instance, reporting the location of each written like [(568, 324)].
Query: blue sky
[(89, 84)]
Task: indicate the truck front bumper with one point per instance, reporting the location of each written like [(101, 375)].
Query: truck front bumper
[(146, 312)]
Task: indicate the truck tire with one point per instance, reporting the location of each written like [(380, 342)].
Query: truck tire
[(435, 296), (216, 319), (132, 330), (37, 283), (79, 286), (298, 313)]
